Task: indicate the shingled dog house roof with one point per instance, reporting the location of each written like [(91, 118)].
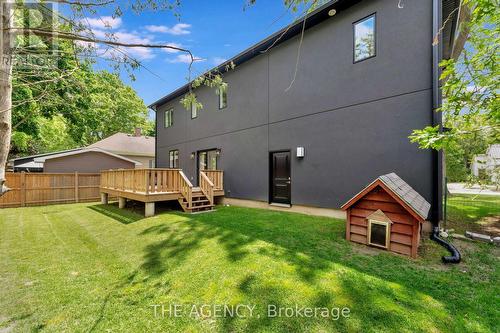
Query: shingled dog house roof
[(400, 191)]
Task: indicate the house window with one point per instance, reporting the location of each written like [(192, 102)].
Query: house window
[(173, 156), (364, 38), (222, 98), (194, 110), (378, 233), (169, 117)]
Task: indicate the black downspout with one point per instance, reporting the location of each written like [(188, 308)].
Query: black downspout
[(437, 156)]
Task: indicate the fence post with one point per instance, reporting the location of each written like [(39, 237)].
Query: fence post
[(23, 189), (76, 187)]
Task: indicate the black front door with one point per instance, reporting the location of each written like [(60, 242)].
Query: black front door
[(280, 177)]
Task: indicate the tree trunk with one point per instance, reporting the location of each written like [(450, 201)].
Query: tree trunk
[(5, 88)]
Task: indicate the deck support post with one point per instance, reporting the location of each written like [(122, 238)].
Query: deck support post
[(104, 198), (122, 202), (149, 209)]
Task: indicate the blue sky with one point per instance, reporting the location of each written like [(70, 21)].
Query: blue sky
[(213, 30)]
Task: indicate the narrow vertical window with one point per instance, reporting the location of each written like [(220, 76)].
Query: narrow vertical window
[(173, 156), (364, 38), (222, 98), (194, 110), (169, 117)]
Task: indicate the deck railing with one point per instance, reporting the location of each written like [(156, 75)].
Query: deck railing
[(216, 177), (207, 187), (157, 181), (147, 181), (186, 189)]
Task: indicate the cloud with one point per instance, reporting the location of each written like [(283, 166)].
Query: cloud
[(178, 29), (172, 50), (185, 59), (122, 36), (103, 22), (218, 60)]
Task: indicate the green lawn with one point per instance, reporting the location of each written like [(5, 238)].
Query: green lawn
[(87, 267), (479, 213)]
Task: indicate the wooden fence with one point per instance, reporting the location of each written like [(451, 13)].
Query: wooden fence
[(35, 189)]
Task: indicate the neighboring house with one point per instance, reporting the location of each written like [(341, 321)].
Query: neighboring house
[(133, 146), (367, 76), (136, 151), (486, 163), (28, 164), (88, 160)]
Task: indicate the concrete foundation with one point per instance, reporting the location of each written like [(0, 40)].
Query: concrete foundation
[(104, 198), (122, 202), (308, 210), (149, 209)]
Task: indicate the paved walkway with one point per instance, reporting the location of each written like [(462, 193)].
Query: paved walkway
[(460, 188)]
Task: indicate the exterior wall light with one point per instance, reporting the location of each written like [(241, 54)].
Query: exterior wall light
[(193, 155), (218, 151), (301, 152)]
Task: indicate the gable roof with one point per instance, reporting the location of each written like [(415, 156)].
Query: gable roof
[(311, 19), (379, 215), (127, 144), (32, 157), (403, 193), (84, 151)]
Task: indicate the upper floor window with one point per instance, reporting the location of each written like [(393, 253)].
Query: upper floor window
[(194, 110), (364, 38), (222, 98), (169, 117), (173, 157)]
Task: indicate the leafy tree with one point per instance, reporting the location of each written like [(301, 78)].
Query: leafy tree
[(471, 106)]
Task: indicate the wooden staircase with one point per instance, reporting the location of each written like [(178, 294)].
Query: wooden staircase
[(199, 202)]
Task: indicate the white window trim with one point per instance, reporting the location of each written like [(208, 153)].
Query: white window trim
[(170, 112), (221, 98), (387, 233), (194, 109)]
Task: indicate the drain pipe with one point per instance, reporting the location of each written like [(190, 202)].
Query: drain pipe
[(455, 255), (437, 120)]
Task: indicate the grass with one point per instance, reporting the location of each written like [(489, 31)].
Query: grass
[(87, 267), (478, 213)]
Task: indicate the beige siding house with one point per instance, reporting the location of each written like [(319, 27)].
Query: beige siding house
[(135, 147)]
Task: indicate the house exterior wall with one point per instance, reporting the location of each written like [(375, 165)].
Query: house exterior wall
[(146, 161), (89, 162), (353, 119)]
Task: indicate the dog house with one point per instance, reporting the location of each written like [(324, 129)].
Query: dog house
[(387, 214)]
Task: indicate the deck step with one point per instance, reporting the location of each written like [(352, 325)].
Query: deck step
[(201, 207)]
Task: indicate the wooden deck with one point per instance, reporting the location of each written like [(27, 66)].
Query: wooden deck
[(154, 185)]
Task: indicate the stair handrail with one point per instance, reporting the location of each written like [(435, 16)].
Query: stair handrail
[(186, 188), (207, 187)]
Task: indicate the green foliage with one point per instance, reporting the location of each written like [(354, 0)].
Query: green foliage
[(471, 105), (54, 134), (471, 83), (70, 105), (211, 79)]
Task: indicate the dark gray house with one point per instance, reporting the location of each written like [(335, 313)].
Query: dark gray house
[(367, 76)]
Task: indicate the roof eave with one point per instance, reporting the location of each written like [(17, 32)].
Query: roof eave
[(317, 16)]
